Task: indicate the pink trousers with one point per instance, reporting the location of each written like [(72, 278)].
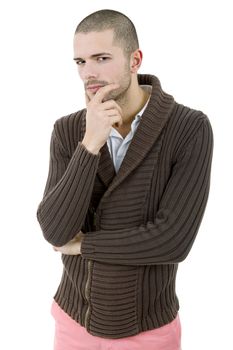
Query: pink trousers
[(69, 335)]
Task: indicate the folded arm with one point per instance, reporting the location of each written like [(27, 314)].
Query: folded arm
[(169, 238)]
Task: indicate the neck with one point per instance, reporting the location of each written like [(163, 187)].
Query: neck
[(134, 102)]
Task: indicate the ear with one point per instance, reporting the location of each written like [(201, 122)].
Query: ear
[(135, 61)]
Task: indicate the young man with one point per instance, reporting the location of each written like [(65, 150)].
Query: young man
[(127, 188)]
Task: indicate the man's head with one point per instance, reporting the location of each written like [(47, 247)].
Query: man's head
[(124, 32), (106, 51)]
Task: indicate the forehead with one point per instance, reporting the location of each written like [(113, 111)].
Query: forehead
[(87, 44)]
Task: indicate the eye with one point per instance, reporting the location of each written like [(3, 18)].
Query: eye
[(80, 62), (102, 58)]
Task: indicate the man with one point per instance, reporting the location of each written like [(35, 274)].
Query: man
[(127, 188)]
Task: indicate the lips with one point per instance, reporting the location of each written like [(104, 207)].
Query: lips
[(94, 88)]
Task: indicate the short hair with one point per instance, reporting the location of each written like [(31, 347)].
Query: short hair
[(124, 30)]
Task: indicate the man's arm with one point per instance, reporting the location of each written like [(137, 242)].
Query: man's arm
[(69, 187), (68, 190), (169, 238)]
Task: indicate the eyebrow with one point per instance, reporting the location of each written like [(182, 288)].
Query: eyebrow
[(93, 56)]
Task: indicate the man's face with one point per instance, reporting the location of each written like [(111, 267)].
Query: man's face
[(100, 63)]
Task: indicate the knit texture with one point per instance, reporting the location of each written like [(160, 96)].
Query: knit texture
[(138, 224)]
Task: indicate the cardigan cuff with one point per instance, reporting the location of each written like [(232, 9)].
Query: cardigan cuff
[(85, 155)]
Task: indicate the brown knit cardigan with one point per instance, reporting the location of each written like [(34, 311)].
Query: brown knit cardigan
[(138, 224)]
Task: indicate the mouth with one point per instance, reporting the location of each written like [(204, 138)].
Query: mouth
[(94, 88)]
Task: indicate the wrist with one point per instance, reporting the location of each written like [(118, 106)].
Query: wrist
[(90, 147)]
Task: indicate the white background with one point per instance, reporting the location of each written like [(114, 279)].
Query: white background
[(187, 44)]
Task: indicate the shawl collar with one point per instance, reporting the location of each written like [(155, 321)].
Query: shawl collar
[(152, 122)]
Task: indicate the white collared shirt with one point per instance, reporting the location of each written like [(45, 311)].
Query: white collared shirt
[(118, 145)]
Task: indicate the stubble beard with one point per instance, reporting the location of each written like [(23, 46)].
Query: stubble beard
[(120, 95)]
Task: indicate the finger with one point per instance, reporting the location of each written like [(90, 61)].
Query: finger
[(112, 113), (116, 120), (103, 91), (111, 104)]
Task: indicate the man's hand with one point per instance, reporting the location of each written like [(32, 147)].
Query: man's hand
[(101, 116), (73, 247)]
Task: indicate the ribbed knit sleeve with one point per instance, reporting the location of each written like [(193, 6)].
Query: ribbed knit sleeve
[(67, 194), (169, 238)]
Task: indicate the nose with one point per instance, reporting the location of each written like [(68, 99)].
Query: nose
[(88, 72)]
